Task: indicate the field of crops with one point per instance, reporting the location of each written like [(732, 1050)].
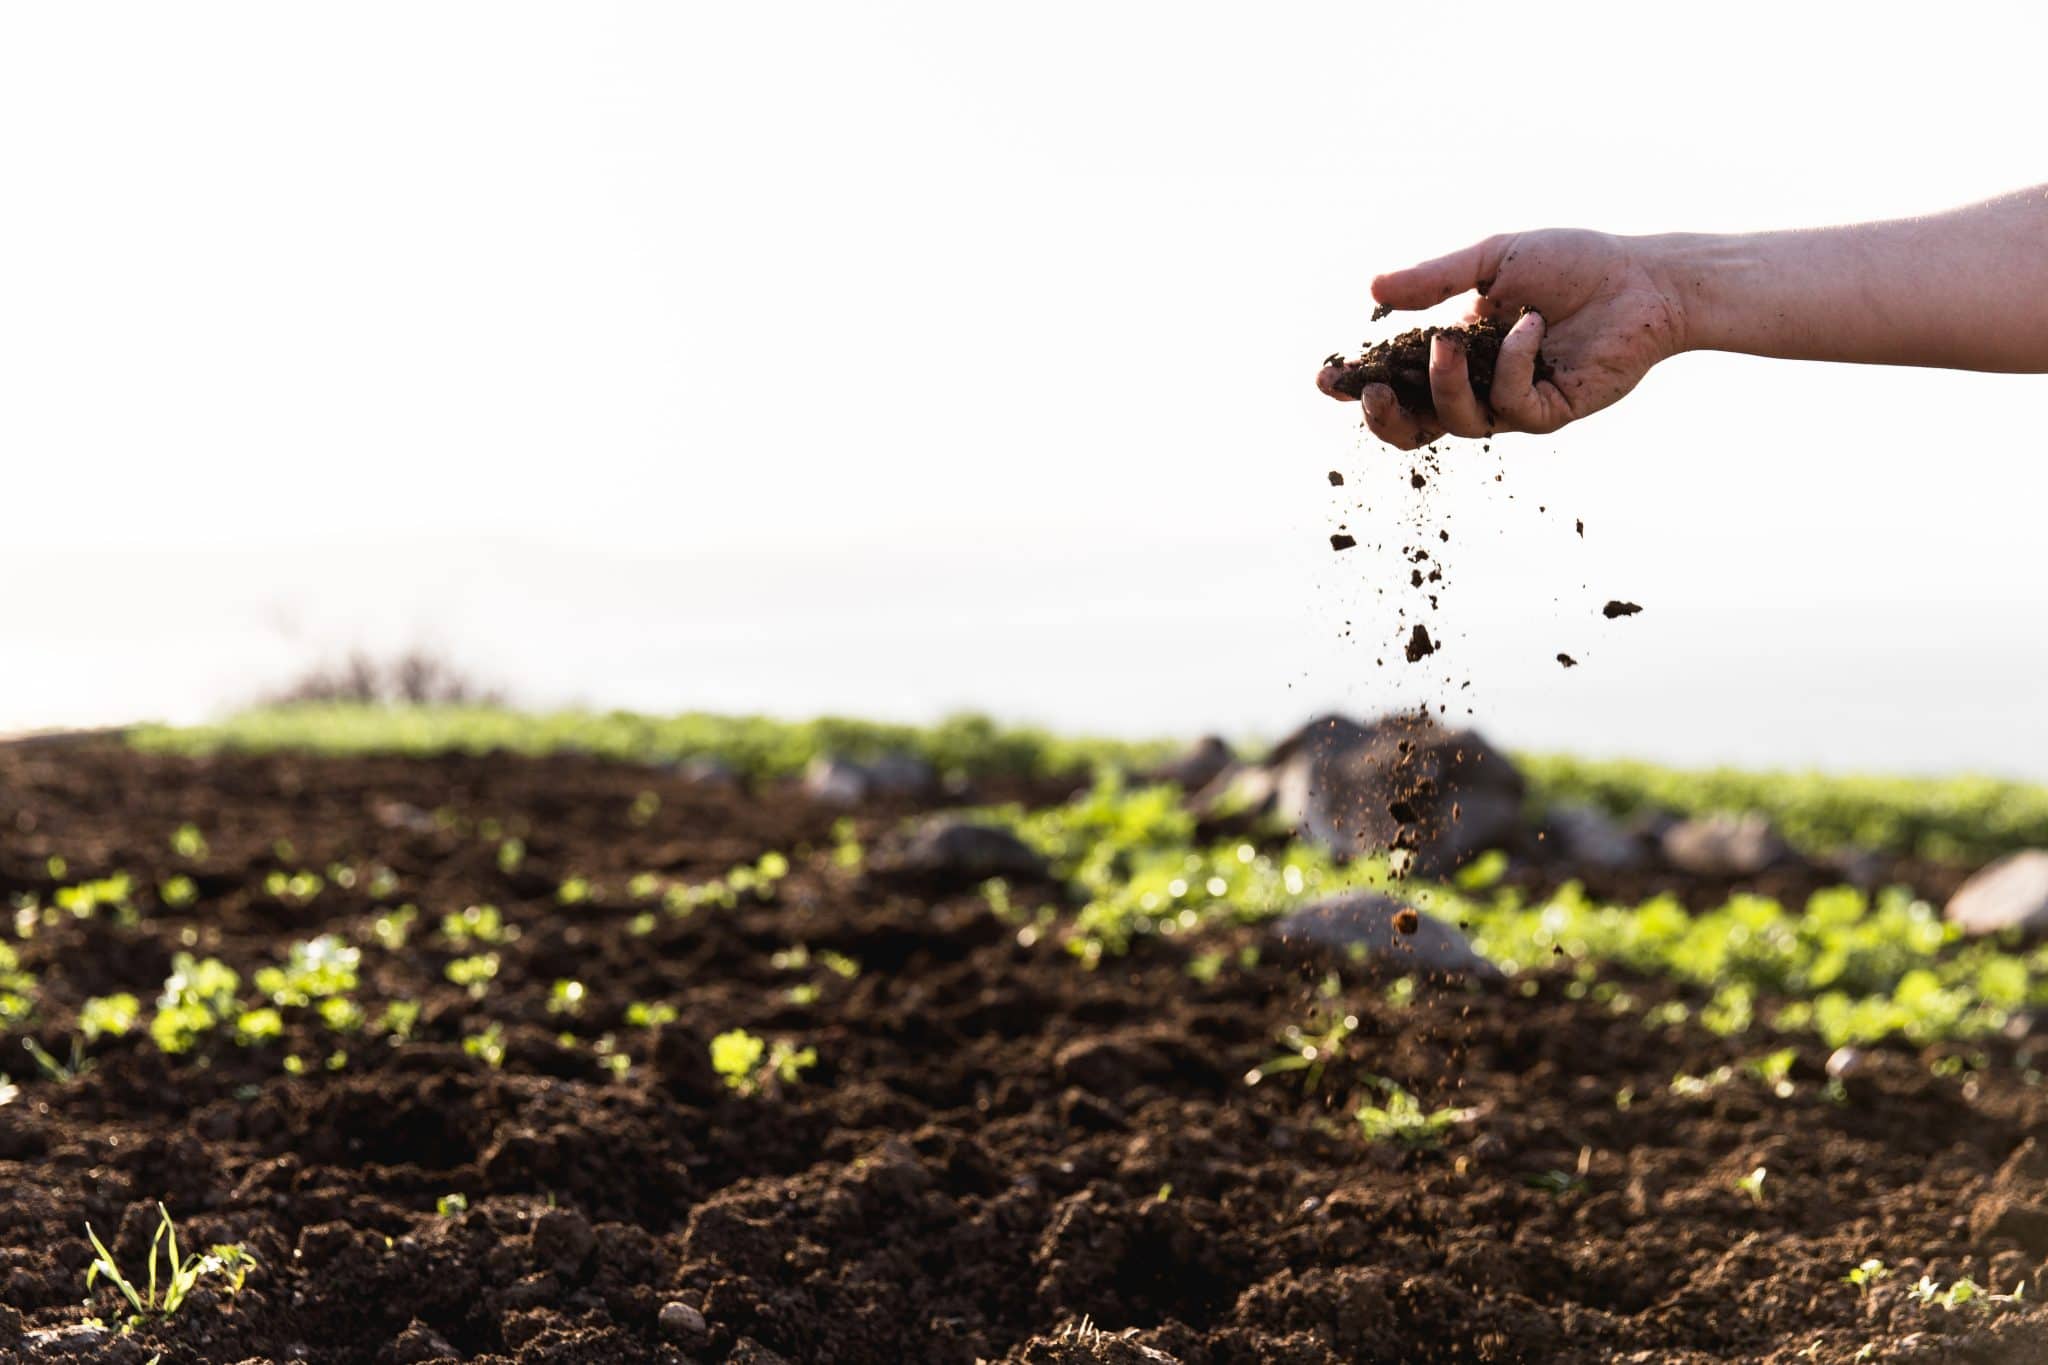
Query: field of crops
[(464, 1035)]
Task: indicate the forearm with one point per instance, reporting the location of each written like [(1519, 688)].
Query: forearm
[(1966, 289)]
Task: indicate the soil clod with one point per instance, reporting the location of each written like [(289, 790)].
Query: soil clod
[(1402, 364), (1614, 609), (1420, 646), (1340, 541)]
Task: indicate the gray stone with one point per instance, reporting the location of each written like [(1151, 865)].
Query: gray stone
[(841, 781), (1724, 845), (1198, 767), (835, 781), (681, 1322), (1590, 837), (1366, 919), (954, 846), (705, 771), (1402, 783), (901, 775), (2011, 893)]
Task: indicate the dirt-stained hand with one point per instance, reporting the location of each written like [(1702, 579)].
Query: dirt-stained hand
[(1600, 315)]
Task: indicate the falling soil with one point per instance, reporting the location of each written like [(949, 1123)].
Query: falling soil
[(1406, 920), (993, 1143), (1420, 646), (1402, 364), (1340, 541), (1614, 609), (1336, 479), (1568, 661)]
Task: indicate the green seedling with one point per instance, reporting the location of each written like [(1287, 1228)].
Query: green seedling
[(487, 1047), (1401, 1118), (847, 853), (1963, 1292), (87, 899), (294, 888), (1774, 1071), (1307, 1052), (1866, 1274), (477, 924), (188, 843), (566, 998), (511, 856), (57, 1069), (449, 1205), (473, 974), (645, 807), (197, 996), (392, 928), (177, 892), (166, 1295), (313, 970), (399, 1019), (650, 1013), (575, 891), (1752, 1186), (748, 1064)]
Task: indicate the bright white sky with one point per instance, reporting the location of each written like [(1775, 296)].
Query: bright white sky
[(889, 358)]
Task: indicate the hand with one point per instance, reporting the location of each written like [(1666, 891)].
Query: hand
[(1602, 315)]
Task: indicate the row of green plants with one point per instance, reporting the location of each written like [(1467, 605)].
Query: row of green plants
[(1846, 965), (1967, 819), (1949, 819), (752, 746)]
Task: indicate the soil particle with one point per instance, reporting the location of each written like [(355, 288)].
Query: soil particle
[(1382, 311), (1581, 529), (1336, 479), (1402, 364), (1340, 541), (1415, 479), (1614, 609), (1407, 920), (1420, 646), (1568, 661)]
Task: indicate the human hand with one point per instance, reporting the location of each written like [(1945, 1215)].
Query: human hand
[(1602, 312)]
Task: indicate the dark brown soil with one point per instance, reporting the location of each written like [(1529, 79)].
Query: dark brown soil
[(994, 1142), (1614, 609), (1402, 364)]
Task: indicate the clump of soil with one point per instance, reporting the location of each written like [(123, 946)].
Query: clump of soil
[(1402, 364), (1340, 541), (1568, 661), (1420, 646), (1614, 609)]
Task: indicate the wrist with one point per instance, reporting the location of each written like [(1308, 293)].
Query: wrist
[(1703, 278)]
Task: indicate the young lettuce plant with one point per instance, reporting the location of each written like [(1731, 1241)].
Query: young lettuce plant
[(749, 1064)]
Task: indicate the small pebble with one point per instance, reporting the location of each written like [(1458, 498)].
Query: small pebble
[(678, 1319)]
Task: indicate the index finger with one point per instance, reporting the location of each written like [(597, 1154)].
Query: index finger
[(1428, 284)]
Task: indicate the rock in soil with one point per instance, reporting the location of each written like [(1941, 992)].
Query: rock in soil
[(680, 1322), (959, 849), (2011, 893), (1208, 760), (1724, 845), (1587, 834), (841, 781), (1403, 782), (1383, 927)]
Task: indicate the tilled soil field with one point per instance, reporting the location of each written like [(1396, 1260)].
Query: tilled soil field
[(998, 1155)]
